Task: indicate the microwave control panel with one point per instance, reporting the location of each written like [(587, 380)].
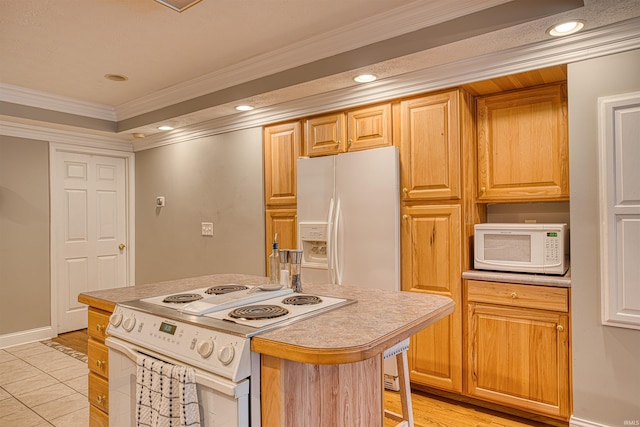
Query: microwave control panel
[(552, 246)]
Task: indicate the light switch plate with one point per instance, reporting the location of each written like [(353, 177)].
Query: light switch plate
[(207, 229)]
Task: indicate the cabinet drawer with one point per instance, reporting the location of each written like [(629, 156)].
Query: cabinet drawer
[(99, 392), (97, 418), (527, 296), (98, 357), (97, 323)]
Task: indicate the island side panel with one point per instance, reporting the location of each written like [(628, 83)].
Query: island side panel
[(302, 394)]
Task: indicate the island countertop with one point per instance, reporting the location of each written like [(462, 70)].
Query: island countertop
[(378, 320)]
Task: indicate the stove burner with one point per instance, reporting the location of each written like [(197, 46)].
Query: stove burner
[(302, 300), (182, 298), (255, 312), (225, 289)]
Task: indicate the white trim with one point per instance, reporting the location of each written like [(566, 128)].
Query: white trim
[(49, 101), (579, 422), (614, 289), (41, 133), (129, 159), (616, 38), (25, 337)]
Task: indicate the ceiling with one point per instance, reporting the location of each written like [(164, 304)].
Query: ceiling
[(195, 66)]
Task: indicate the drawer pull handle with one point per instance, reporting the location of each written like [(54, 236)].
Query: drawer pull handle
[(102, 399), (101, 363), (560, 328), (514, 295)]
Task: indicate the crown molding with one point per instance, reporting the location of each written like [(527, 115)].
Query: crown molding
[(616, 38), (48, 101), (21, 130), (399, 21)]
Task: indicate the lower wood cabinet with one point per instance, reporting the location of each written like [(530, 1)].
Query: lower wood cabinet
[(430, 239), (98, 364), (517, 346), (282, 222)]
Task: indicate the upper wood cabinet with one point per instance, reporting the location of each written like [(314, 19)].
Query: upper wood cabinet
[(325, 135), (430, 147), (282, 144), (523, 150), (517, 346), (430, 242), (360, 129), (369, 127)]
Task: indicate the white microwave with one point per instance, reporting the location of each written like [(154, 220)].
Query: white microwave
[(521, 248)]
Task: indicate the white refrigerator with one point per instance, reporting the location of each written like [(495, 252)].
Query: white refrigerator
[(349, 222)]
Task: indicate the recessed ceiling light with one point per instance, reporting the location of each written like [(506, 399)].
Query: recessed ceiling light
[(566, 28), (165, 127), (116, 77), (364, 78), (244, 107)]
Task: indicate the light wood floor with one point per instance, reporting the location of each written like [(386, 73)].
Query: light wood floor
[(428, 410), (76, 340)]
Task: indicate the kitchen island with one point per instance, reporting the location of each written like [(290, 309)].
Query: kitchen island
[(324, 370)]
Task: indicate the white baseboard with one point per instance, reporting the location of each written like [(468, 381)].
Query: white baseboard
[(578, 422), (25, 337)]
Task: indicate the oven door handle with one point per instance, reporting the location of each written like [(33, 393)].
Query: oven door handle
[(219, 384)]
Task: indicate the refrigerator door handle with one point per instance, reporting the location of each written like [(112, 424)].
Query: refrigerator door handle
[(338, 273), (330, 243)]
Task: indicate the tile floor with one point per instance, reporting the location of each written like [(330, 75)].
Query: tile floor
[(41, 386)]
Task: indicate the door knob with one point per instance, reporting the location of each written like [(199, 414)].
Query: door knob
[(121, 246)]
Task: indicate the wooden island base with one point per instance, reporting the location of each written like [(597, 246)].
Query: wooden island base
[(297, 394)]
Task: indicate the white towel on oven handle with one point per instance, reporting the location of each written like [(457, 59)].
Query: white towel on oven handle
[(166, 394)]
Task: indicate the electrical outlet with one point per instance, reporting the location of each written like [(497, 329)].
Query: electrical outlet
[(207, 229)]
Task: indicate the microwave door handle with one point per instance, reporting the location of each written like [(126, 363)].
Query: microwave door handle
[(330, 243)]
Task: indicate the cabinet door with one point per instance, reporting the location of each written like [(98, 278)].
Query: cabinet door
[(325, 135), (430, 141), (369, 127), (283, 222), (431, 264), (519, 358), (281, 150), (523, 150)]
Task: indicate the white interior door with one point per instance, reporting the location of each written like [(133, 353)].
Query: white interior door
[(90, 202)]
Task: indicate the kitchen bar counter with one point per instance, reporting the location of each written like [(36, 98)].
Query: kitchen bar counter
[(379, 319), (323, 370)]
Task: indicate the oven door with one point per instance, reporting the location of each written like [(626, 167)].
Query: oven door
[(222, 402)]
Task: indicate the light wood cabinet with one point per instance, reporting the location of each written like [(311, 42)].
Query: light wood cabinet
[(430, 130), (283, 222), (282, 144), (431, 256), (517, 346), (523, 149), (369, 127), (98, 364), (325, 135)]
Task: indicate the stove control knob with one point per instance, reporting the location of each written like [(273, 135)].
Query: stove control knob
[(116, 319), (129, 323), (225, 354), (205, 347)]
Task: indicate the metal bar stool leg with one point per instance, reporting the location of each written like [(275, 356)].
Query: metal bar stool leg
[(406, 418)]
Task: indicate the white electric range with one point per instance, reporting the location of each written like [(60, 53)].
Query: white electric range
[(210, 330)]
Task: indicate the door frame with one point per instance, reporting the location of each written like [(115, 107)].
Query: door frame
[(55, 182)]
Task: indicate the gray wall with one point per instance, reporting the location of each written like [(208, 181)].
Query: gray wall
[(215, 179), (24, 235), (606, 360)]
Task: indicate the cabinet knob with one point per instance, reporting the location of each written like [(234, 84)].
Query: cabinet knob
[(338, 142), (514, 295), (102, 399), (405, 217), (121, 246), (101, 364), (100, 328), (405, 190), (560, 328), (482, 190)]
